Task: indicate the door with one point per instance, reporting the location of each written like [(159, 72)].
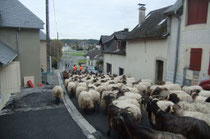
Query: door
[(159, 70)]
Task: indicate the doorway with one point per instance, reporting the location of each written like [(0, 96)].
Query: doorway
[(159, 70)]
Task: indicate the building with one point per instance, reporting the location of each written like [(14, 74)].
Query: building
[(193, 43), (169, 44), (9, 73), (113, 49), (19, 30), (94, 58), (43, 51)]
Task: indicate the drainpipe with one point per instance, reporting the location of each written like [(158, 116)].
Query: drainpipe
[(177, 47), (17, 40)]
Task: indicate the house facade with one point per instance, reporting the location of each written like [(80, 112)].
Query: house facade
[(190, 33), (19, 30), (169, 44)]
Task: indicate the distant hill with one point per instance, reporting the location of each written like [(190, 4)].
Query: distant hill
[(78, 41)]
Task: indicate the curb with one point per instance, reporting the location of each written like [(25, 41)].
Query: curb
[(87, 129)]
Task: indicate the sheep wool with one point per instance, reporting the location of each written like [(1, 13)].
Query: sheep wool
[(85, 100), (57, 92)]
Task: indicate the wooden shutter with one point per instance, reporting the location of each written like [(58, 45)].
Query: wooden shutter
[(209, 67), (197, 11), (195, 59)]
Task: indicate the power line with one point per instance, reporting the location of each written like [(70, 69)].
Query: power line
[(55, 19)]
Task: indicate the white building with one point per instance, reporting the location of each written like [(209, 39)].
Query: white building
[(169, 44)]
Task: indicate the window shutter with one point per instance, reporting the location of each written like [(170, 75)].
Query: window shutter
[(197, 11), (209, 67), (195, 59)]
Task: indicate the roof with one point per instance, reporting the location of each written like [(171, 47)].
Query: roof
[(104, 38), (174, 8), (154, 26), (42, 36), (15, 14), (94, 54), (7, 54)]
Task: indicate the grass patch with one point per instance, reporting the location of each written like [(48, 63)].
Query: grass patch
[(82, 61)]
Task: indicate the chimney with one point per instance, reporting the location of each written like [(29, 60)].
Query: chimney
[(142, 10), (126, 29)]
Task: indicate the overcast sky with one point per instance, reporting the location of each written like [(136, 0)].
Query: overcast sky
[(88, 19)]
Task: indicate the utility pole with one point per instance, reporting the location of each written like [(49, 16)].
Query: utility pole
[(48, 38)]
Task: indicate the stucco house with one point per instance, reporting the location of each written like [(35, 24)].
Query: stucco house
[(114, 52), (43, 51), (169, 44), (19, 30), (94, 58)]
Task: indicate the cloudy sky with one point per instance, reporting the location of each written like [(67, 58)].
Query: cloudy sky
[(88, 19)]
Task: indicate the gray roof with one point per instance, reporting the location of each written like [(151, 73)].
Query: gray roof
[(154, 26), (42, 36), (104, 38), (15, 14), (94, 54), (174, 8), (7, 54)]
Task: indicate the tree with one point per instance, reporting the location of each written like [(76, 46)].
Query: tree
[(56, 51)]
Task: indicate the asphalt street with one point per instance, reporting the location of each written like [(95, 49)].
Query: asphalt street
[(42, 124)]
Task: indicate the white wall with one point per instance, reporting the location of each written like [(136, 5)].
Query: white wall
[(140, 59), (194, 36), (9, 81)]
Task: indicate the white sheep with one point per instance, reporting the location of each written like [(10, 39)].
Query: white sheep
[(106, 93), (190, 89), (204, 93), (85, 101), (57, 93), (132, 95), (129, 100), (136, 111), (164, 104), (172, 86), (205, 117), (71, 88), (95, 96), (182, 95), (80, 89)]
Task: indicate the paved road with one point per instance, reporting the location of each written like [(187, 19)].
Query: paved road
[(43, 124)]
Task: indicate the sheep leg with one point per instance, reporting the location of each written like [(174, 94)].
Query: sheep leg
[(57, 101), (109, 131)]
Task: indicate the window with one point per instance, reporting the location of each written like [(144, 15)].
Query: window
[(195, 59), (109, 68), (121, 71), (197, 11)]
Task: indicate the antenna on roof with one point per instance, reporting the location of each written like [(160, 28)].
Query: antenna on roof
[(141, 4)]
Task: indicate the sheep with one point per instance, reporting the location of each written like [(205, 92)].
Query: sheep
[(112, 94), (71, 88), (197, 98), (163, 104), (190, 89), (204, 93), (172, 86), (191, 128), (122, 104), (132, 95), (129, 100), (66, 81), (79, 89), (85, 101), (136, 131), (95, 98), (176, 109), (142, 88), (183, 96), (57, 93)]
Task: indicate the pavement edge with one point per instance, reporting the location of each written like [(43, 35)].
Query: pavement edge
[(87, 129)]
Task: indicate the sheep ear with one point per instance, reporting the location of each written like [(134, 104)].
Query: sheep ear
[(171, 109)]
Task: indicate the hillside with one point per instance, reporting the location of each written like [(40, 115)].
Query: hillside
[(78, 41)]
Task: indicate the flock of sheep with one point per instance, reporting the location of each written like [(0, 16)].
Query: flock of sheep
[(124, 100)]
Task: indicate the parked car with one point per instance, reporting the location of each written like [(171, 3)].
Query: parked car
[(91, 69)]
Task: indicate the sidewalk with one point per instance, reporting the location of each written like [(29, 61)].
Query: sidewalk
[(32, 114)]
